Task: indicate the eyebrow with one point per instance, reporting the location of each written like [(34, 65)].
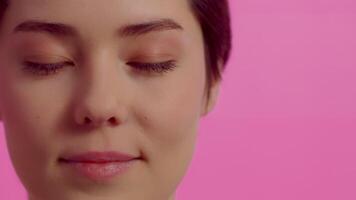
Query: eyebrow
[(64, 30)]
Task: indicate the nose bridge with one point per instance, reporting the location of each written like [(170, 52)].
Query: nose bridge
[(101, 68), (102, 95)]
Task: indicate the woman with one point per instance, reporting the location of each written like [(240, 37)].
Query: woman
[(101, 99)]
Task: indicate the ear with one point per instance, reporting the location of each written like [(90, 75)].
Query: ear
[(0, 113), (210, 103), (1, 118), (1, 108)]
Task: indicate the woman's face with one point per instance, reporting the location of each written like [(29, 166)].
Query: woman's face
[(102, 94)]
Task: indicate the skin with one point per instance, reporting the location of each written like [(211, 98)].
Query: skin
[(156, 115)]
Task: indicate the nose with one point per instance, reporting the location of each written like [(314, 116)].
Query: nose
[(100, 107), (101, 97), (94, 115)]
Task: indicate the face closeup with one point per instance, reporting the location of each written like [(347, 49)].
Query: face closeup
[(126, 76)]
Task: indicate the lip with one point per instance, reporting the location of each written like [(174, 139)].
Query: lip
[(98, 166), (98, 157)]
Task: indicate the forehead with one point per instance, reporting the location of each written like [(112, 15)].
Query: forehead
[(126, 10), (100, 17)]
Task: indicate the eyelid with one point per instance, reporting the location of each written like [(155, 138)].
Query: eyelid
[(47, 58), (153, 56)]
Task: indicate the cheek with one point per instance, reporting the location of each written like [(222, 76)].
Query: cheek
[(169, 124), (28, 118), (29, 127), (171, 116)]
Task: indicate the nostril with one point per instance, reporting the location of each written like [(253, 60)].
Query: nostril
[(113, 120), (87, 120)]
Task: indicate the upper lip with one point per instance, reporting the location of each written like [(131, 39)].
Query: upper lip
[(98, 157)]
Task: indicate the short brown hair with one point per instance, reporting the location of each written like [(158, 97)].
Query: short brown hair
[(214, 19)]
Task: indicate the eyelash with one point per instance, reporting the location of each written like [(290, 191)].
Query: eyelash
[(45, 69)]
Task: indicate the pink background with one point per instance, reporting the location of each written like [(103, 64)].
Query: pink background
[(285, 123)]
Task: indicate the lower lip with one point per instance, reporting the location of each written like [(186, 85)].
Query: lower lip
[(101, 171)]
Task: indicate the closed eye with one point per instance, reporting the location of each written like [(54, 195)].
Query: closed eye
[(45, 69), (158, 67)]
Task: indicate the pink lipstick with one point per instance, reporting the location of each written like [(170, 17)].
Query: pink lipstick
[(99, 166)]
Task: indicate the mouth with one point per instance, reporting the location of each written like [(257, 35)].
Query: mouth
[(98, 166), (98, 157)]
